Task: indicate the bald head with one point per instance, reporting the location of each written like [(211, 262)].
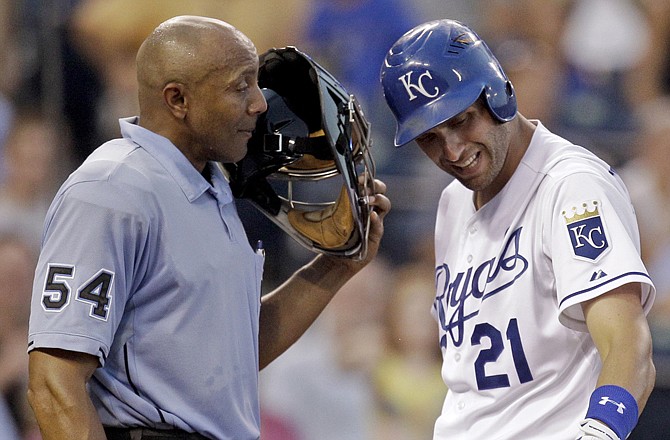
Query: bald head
[(198, 87), (186, 49)]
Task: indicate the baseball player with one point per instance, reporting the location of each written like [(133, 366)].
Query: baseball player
[(541, 292), (147, 319)]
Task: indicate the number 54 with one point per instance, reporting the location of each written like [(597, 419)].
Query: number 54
[(95, 291)]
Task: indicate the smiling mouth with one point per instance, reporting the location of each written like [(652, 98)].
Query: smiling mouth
[(469, 163)]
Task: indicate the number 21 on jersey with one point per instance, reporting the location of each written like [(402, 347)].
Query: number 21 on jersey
[(497, 349)]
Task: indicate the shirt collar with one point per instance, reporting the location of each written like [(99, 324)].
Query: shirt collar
[(191, 182)]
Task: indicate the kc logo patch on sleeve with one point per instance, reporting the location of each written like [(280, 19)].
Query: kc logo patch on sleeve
[(586, 230)]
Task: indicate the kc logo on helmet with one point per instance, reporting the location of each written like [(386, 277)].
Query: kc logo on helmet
[(587, 232), (419, 87)]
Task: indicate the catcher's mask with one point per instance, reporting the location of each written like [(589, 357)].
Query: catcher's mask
[(313, 130)]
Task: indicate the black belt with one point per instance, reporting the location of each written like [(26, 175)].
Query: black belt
[(150, 434)]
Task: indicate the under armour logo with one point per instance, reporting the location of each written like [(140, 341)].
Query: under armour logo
[(605, 400), (410, 88)]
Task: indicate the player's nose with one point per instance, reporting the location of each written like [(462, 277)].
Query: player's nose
[(452, 145)]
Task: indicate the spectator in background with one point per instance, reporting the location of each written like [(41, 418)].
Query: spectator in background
[(602, 42), (321, 387), (108, 33), (9, 73), (648, 179), (18, 259), (351, 37), (585, 57), (651, 77), (7, 423), (407, 379), (523, 34), (36, 161), (650, 190)]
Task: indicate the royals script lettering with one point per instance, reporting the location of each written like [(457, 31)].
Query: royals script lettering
[(460, 294)]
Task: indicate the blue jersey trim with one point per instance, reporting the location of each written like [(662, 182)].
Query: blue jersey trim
[(602, 284)]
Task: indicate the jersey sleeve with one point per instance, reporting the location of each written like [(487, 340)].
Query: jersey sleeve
[(593, 242), (92, 253)]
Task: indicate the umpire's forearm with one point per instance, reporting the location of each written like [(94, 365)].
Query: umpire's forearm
[(288, 311), (58, 396)]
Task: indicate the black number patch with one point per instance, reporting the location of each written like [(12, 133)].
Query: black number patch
[(56, 289), (95, 291)]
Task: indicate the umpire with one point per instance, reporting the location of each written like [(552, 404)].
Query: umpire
[(147, 319)]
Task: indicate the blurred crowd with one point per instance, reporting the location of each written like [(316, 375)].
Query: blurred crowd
[(595, 71)]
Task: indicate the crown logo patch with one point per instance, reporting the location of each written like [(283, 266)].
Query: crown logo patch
[(574, 215), (586, 230)]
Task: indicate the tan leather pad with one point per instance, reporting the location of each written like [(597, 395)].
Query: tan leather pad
[(331, 227)]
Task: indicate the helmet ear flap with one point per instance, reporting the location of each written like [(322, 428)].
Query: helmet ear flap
[(502, 103)]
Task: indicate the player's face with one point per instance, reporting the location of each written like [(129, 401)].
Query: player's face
[(227, 103), (472, 147)]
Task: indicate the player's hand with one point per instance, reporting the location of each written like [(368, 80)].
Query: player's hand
[(595, 430), (380, 205)]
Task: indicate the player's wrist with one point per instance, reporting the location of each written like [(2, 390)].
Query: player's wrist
[(340, 266), (612, 414), (591, 429), (328, 272)]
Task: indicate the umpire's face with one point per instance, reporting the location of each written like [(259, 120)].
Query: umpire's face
[(198, 81), (472, 147), (226, 103)]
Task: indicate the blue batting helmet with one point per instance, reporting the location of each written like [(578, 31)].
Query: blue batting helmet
[(437, 70)]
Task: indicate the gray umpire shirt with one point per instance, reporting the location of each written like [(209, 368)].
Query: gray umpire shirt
[(146, 265)]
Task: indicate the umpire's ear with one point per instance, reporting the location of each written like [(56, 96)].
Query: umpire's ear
[(175, 99)]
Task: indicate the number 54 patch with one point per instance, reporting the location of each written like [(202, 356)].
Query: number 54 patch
[(94, 291), (586, 230)]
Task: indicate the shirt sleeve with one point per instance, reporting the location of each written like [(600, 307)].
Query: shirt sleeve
[(593, 242), (91, 255)]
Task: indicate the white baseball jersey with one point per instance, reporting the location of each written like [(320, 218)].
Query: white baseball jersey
[(510, 277)]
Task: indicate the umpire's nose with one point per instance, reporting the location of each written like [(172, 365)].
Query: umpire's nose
[(257, 104)]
